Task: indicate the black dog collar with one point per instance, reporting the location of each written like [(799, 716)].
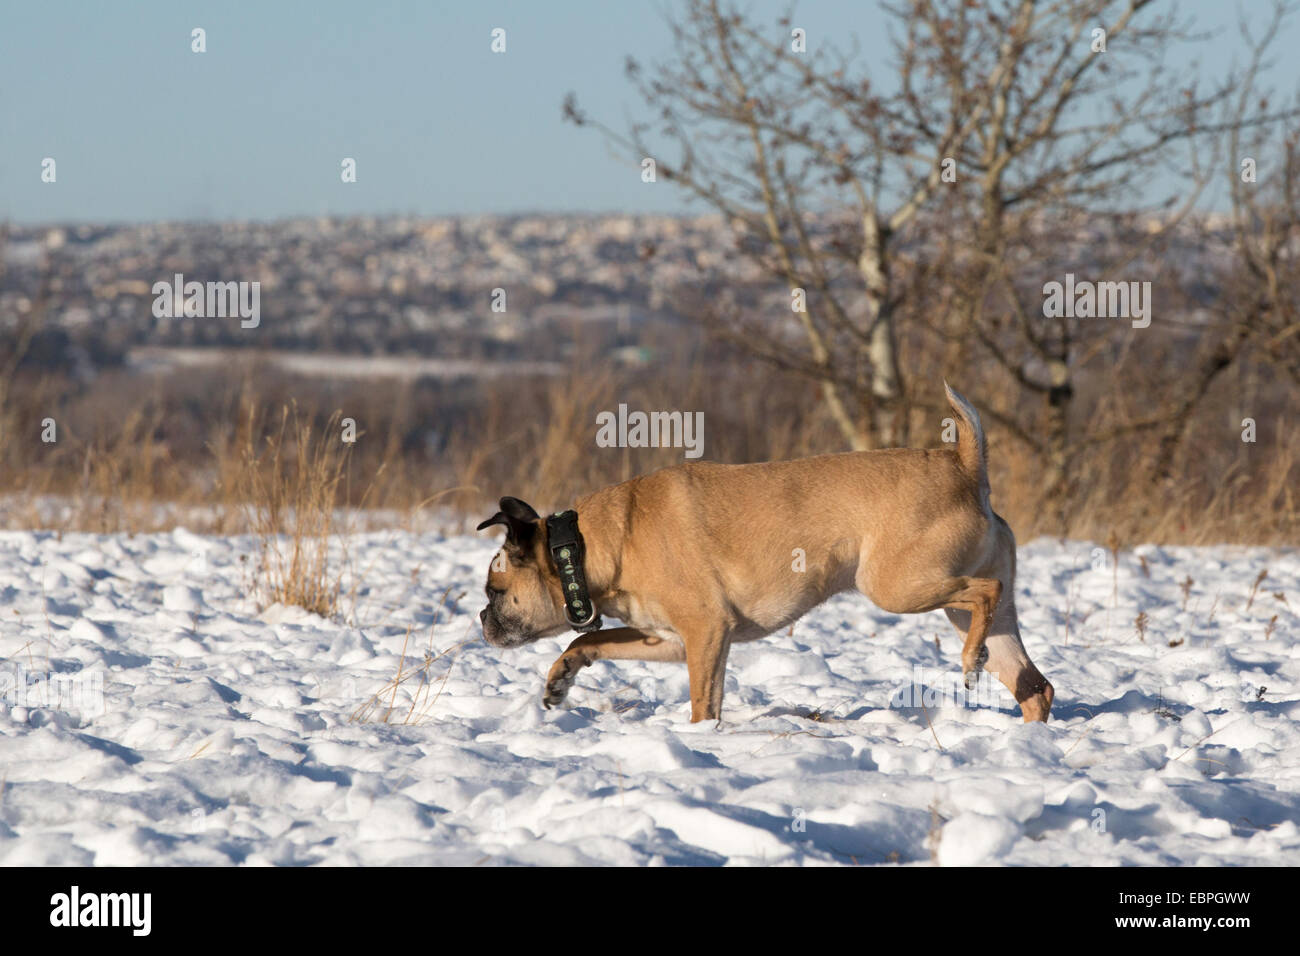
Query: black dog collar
[(565, 544)]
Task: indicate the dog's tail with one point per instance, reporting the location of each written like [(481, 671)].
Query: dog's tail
[(971, 450)]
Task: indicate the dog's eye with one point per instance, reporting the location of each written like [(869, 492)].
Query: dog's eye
[(495, 592)]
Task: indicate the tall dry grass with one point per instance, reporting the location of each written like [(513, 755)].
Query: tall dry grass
[(248, 452), (290, 484)]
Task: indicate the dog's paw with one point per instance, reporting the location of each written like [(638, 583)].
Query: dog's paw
[(556, 691), (971, 675), (558, 682)]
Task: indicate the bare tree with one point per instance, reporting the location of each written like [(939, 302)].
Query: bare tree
[(781, 144), (1043, 175), (922, 216), (1256, 314)]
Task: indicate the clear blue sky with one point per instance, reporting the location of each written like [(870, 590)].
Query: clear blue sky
[(255, 128)]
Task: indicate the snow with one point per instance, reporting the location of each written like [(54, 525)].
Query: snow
[(153, 712)]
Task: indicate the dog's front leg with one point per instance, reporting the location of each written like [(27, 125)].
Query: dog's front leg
[(706, 659), (619, 643)]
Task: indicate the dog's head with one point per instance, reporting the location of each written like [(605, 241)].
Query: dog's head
[(525, 602)]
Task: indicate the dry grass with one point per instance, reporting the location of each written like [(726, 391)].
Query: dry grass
[(138, 454), (290, 487), (382, 705), (293, 485)]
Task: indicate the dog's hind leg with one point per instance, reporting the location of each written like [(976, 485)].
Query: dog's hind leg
[(976, 597), (619, 643), (1006, 656), (1008, 661)]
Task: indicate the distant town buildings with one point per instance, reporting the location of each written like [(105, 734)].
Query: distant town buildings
[(497, 288)]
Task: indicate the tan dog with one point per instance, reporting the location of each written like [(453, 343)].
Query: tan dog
[(697, 556)]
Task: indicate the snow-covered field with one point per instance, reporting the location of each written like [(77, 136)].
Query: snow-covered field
[(152, 714)]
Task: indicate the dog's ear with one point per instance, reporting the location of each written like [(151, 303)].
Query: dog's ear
[(519, 519), (519, 510)]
